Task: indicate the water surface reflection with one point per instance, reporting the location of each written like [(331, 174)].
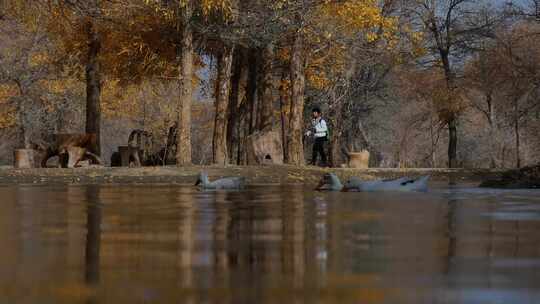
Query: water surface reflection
[(162, 244)]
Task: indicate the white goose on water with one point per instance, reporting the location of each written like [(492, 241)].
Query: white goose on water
[(329, 182), (404, 184), (222, 183)]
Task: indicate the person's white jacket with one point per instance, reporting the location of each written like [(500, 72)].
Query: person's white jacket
[(320, 129)]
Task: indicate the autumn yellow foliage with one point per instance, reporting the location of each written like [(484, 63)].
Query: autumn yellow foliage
[(339, 26), (8, 113)]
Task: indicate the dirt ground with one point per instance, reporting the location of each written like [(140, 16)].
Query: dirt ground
[(284, 175)]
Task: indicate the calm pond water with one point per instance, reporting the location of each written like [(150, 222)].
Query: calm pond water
[(165, 244)]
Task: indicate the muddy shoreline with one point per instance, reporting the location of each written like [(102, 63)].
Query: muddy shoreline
[(284, 175)]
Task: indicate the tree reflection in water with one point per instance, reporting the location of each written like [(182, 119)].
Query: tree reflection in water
[(162, 244), (93, 239)]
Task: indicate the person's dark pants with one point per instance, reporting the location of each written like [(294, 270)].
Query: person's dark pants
[(318, 149)]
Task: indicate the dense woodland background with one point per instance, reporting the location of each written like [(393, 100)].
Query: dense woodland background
[(419, 83)]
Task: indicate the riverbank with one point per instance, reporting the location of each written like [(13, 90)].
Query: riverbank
[(255, 175)]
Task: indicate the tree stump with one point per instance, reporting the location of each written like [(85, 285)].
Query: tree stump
[(264, 148), (63, 160), (116, 161), (24, 158), (124, 156), (359, 160), (129, 155)]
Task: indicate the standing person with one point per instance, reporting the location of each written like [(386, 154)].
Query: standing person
[(319, 130)]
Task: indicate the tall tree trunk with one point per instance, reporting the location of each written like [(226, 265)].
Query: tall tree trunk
[(251, 94), (335, 141), (452, 142), (2, 9), (452, 119), (336, 114), (93, 86), (232, 113), (22, 117), (434, 140), (241, 152), (285, 107), (239, 77), (516, 132), (242, 126), (25, 138), (266, 98), (295, 147), (249, 115), (219, 143), (185, 58), (492, 131)]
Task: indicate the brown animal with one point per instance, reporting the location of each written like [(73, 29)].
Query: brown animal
[(76, 147)]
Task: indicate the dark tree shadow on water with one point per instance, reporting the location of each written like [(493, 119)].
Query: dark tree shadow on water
[(93, 239)]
